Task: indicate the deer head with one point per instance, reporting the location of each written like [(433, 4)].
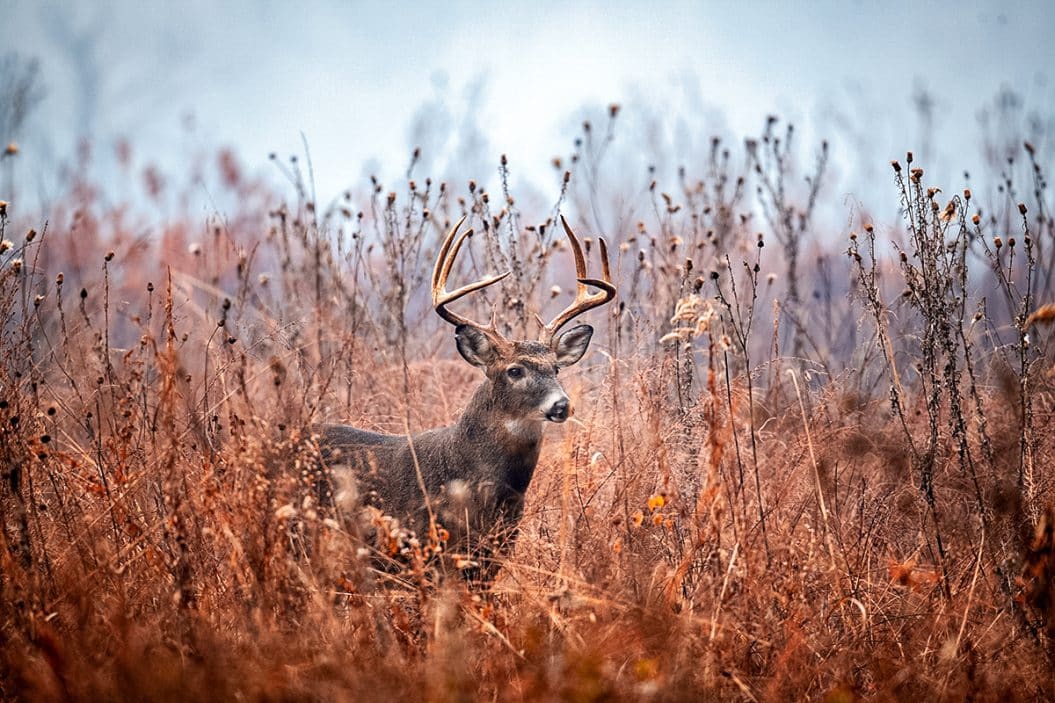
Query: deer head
[(522, 373)]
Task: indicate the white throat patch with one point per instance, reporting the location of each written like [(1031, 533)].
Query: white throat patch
[(521, 427)]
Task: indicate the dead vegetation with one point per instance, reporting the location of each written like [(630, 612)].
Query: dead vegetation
[(792, 473)]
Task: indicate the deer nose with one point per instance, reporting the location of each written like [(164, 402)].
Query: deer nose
[(559, 411)]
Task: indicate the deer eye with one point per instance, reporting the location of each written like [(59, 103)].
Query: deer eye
[(515, 372)]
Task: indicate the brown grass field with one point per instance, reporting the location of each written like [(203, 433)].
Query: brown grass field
[(805, 463)]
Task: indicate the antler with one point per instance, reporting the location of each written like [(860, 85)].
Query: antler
[(584, 300), (444, 263)]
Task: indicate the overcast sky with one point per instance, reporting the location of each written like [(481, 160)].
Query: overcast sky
[(365, 83)]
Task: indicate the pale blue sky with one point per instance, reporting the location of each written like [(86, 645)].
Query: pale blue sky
[(357, 78)]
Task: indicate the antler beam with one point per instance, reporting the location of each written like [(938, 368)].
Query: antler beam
[(584, 300), (442, 270)]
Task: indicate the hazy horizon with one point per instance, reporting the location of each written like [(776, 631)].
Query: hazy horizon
[(364, 85)]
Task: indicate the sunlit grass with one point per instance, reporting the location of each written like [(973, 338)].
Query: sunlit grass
[(795, 471)]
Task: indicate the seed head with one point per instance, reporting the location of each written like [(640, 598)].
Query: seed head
[(950, 211)]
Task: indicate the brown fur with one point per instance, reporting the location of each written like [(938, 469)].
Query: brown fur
[(475, 472)]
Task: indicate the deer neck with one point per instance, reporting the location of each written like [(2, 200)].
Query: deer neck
[(511, 443)]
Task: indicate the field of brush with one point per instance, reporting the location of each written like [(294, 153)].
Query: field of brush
[(806, 462)]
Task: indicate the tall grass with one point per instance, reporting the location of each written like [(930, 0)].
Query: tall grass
[(794, 472)]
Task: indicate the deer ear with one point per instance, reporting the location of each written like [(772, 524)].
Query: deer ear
[(571, 345), (474, 346)]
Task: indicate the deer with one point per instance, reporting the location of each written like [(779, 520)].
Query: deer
[(468, 481)]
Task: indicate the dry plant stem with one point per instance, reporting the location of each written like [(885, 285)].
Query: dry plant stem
[(1026, 444), (870, 280), (407, 429), (967, 608), (739, 489), (634, 575), (818, 490), (721, 593), (740, 323)]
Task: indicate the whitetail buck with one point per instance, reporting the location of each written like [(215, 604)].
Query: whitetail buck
[(470, 478)]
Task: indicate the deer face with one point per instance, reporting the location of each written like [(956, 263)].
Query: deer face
[(523, 375)]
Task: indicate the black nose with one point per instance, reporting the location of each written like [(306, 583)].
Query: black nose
[(559, 411)]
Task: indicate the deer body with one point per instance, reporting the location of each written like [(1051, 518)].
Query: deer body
[(476, 472)]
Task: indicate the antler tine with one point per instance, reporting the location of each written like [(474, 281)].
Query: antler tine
[(445, 247), (584, 300), (442, 270)]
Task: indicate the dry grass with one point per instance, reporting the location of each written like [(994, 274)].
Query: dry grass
[(781, 493)]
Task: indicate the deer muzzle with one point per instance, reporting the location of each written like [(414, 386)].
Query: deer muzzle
[(560, 410)]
